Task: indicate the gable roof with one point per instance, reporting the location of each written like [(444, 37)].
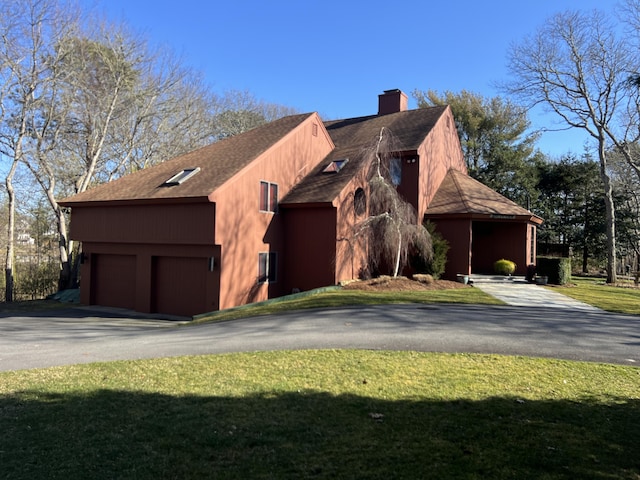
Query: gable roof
[(459, 194), (217, 162), (352, 138)]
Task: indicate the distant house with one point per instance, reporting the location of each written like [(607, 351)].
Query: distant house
[(267, 212)]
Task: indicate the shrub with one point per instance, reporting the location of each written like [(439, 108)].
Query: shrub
[(435, 267), (504, 267), (425, 278), (557, 269)]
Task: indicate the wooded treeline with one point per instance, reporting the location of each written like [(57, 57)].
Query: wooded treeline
[(567, 192), (84, 101)]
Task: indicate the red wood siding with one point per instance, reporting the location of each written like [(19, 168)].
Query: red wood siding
[(126, 276), (114, 280), (439, 152), (179, 285), (457, 232), (495, 240), (182, 223), (244, 231), (310, 248)]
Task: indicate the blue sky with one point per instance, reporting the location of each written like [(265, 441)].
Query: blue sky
[(335, 57)]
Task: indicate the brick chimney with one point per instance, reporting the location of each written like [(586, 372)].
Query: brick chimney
[(392, 101)]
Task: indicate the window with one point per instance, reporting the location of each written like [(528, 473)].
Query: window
[(395, 170), (267, 267), (335, 166), (182, 177), (268, 197), (360, 202)]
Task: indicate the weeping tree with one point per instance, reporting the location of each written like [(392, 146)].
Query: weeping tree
[(391, 230)]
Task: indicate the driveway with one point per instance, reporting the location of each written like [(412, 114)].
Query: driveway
[(82, 335)]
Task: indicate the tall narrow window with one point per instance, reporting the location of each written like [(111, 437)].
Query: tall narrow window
[(267, 267), (268, 197), (264, 196), (395, 169), (360, 202)]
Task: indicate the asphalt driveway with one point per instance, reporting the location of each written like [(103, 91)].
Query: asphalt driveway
[(82, 335)]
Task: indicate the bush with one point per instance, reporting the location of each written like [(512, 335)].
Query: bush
[(425, 278), (435, 267), (556, 269), (504, 267)]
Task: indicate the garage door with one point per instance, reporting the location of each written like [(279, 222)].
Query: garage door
[(179, 285), (114, 280)]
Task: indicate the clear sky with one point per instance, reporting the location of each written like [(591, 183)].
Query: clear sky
[(336, 56)]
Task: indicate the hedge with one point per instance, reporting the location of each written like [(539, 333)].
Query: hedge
[(557, 269)]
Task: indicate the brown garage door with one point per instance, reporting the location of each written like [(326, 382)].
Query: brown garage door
[(114, 280), (179, 285)]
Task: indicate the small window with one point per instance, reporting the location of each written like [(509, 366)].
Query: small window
[(360, 202), (335, 166), (314, 130), (268, 197), (182, 177), (395, 170), (267, 267)]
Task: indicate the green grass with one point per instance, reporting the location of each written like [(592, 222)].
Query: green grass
[(340, 298), (594, 291), (322, 414)]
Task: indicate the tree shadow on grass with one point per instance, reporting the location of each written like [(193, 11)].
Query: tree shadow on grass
[(120, 434)]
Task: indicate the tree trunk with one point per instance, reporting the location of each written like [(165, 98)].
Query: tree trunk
[(65, 279), (398, 253), (585, 248), (11, 221), (610, 213)]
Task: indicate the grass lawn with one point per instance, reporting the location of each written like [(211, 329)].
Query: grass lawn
[(594, 291), (322, 414), (338, 297), (330, 414)]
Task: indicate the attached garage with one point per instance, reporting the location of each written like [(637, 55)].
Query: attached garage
[(114, 280), (179, 285)]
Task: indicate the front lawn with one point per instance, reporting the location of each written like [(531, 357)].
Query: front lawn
[(395, 291), (322, 414), (624, 298)]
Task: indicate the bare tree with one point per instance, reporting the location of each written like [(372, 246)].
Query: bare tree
[(238, 111), (112, 106), (391, 229), (81, 106), (26, 30), (577, 67)]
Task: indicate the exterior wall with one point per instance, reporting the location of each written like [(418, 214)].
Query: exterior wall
[(495, 240), (131, 254), (457, 232), (350, 258), (148, 277), (439, 152), (310, 248), (243, 231), (181, 224)]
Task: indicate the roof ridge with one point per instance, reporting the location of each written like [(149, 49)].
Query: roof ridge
[(461, 194)]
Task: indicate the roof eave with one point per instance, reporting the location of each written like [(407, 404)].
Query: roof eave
[(134, 201)]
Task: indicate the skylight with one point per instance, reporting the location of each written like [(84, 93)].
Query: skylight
[(182, 177), (335, 166)]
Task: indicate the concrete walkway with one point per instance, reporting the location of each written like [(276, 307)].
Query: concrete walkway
[(516, 291)]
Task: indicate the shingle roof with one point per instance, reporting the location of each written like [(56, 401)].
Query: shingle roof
[(352, 137), (459, 194), (218, 162)]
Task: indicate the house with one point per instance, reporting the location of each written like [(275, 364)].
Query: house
[(270, 211)]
